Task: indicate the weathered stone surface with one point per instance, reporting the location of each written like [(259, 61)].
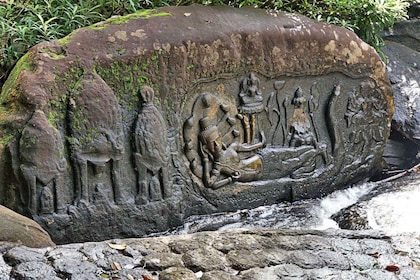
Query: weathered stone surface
[(129, 126), (22, 230), (402, 47), (349, 255), (404, 72)]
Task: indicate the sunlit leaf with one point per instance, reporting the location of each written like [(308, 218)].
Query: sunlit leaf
[(117, 246)]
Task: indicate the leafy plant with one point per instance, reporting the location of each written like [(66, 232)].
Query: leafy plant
[(25, 23)]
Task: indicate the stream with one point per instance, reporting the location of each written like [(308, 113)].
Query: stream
[(395, 210)]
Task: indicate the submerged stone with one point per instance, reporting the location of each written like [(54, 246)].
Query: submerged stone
[(129, 126)]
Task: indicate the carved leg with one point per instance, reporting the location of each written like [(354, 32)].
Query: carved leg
[(247, 129), (143, 185), (59, 195), (155, 192), (30, 179), (167, 186), (116, 185), (84, 187)]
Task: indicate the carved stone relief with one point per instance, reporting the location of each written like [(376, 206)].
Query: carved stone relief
[(140, 128), (151, 152), (42, 163), (225, 139), (217, 147), (95, 129)]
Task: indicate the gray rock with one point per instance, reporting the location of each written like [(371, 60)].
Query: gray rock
[(405, 32), (342, 254), (205, 259), (177, 273), (403, 67), (34, 271), (5, 269)]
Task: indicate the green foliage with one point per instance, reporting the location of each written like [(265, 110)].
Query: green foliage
[(25, 23)]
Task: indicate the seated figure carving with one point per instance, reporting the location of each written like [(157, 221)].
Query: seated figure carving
[(222, 164), (300, 126)]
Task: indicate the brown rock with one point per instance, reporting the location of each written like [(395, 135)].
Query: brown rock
[(21, 230)]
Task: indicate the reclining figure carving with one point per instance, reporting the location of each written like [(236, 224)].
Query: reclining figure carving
[(222, 163)]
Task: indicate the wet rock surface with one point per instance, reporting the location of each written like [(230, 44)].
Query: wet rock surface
[(233, 254), (402, 47), (389, 206)]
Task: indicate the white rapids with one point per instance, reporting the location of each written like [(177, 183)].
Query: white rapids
[(395, 211)]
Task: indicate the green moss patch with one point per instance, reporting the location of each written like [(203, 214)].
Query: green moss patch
[(125, 19)]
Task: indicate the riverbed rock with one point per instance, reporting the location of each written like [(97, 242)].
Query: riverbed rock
[(129, 126), (234, 254)]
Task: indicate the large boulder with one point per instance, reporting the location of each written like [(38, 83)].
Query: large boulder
[(20, 230), (403, 67), (402, 49), (128, 126)]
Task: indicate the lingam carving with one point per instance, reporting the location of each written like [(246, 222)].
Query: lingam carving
[(42, 163), (214, 144), (95, 129), (151, 151)]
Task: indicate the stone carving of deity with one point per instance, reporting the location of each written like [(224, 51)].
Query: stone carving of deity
[(151, 151)]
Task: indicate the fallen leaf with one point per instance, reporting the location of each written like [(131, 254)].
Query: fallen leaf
[(118, 246), (375, 255), (116, 266), (187, 14), (392, 268), (145, 277), (130, 277)]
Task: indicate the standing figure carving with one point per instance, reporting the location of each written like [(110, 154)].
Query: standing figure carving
[(251, 104), (96, 137), (42, 163), (151, 151)]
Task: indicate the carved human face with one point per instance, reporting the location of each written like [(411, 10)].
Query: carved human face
[(215, 146)]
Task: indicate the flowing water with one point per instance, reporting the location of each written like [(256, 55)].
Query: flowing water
[(390, 211)]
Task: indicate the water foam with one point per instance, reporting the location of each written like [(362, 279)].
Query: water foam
[(338, 200)]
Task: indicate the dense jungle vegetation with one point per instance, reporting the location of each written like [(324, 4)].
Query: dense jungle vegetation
[(25, 23)]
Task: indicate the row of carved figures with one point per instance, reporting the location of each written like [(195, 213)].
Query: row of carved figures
[(96, 147)]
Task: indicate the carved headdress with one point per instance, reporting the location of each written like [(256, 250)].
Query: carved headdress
[(209, 132)]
